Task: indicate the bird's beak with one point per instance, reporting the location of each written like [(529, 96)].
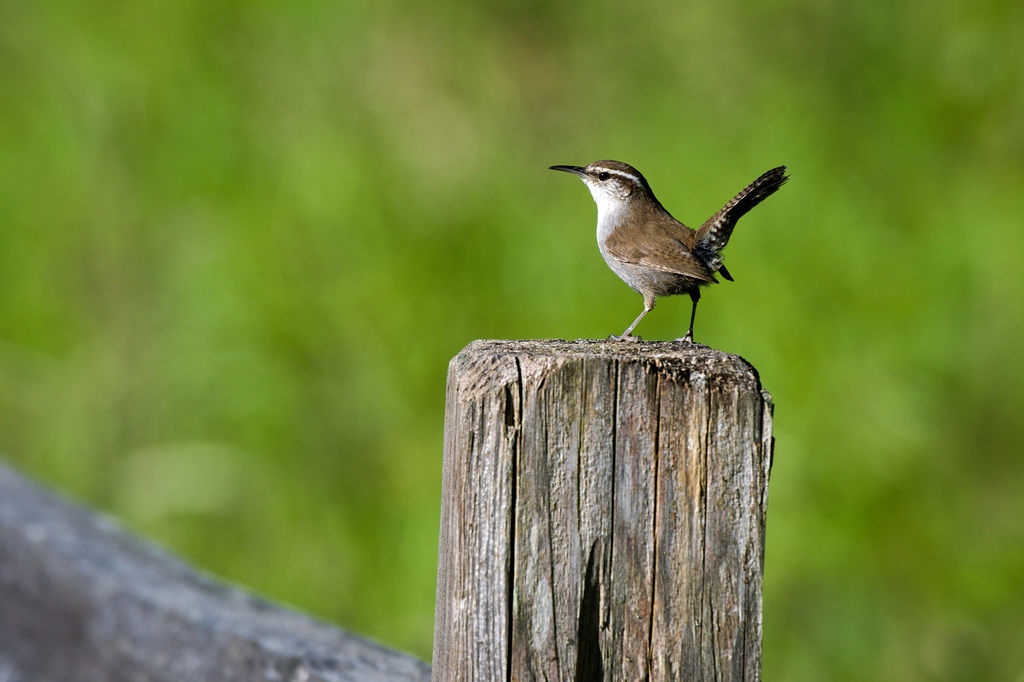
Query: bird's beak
[(582, 172)]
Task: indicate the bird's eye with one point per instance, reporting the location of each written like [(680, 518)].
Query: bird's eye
[(603, 176)]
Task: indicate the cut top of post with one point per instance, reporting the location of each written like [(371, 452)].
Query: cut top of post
[(484, 356)]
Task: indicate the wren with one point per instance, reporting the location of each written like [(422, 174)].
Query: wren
[(651, 251)]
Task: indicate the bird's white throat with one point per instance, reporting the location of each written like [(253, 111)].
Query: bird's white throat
[(609, 210)]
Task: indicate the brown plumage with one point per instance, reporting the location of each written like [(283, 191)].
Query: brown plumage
[(651, 251)]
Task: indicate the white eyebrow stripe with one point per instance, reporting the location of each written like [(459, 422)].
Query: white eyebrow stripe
[(623, 174)]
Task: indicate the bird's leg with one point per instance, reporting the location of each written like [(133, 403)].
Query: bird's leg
[(626, 335), (695, 295)]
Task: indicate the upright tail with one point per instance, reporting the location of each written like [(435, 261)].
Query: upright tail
[(714, 234)]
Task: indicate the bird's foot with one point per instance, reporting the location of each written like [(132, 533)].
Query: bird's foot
[(686, 339), (625, 337)]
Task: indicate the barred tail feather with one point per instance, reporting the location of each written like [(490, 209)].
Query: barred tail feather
[(714, 234)]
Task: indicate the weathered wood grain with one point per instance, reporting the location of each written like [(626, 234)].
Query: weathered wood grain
[(603, 513)]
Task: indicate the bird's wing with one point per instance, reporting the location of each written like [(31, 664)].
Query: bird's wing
[(714, 234), (659, 246)]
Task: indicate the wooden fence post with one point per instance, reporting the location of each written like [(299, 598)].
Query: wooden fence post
[(603, 513)]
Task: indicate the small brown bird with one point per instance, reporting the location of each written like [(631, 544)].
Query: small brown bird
[(651, 251)]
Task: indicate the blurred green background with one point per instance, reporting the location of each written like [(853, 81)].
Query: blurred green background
[(241, 241)]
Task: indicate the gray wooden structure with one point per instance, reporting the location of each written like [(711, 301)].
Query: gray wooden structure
[(603, 517), (81, 600), (603, 513)]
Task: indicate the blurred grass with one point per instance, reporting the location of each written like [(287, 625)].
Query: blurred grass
[(240, 242)]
